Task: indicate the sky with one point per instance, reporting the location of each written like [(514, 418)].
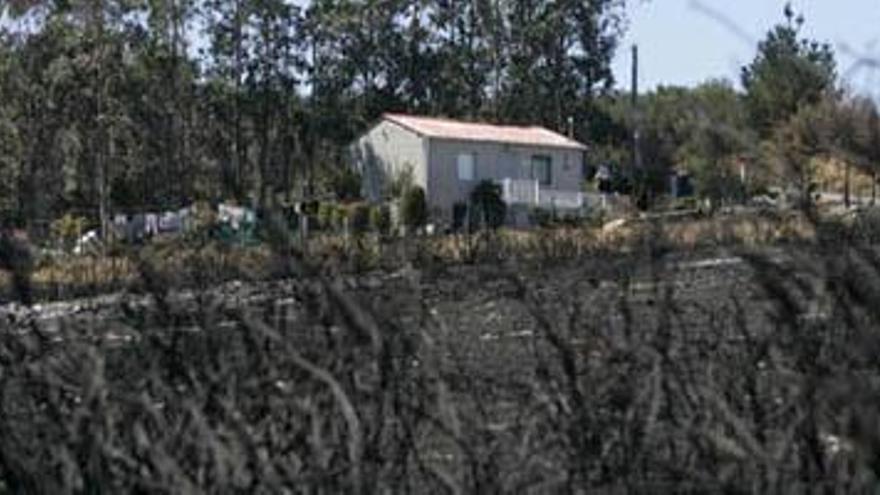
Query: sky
[(685, 42)]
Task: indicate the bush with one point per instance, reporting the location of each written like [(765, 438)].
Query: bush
[(345, 184), (325, 215), (488, 205), (402, 181), (338, 217), (67, 229), (359, 218), (570, 219), (414, 208), (688, 203), (310, 208), (459, 214), (380, 219), (540, 217)]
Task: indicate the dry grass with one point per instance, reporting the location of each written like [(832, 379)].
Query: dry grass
[(175, 263), (625, 234), (741, 230), (179, 263), (831, 177), (86, 270)]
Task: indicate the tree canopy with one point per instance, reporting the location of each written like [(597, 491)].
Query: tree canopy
[(116, 105), (788, 71)]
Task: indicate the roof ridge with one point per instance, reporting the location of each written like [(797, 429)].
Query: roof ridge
[(460, 121), (449, 128)]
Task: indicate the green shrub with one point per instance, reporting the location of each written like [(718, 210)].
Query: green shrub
[(359, 218), (570, 219), (541, 217), (325, 215), (310, 208), (488, 205), (67, 229), (402, 181), (338, 217), (380, 219), (459, 215), (414, 208), (344, 183), (687, 203)]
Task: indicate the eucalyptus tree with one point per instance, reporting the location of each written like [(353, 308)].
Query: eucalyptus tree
[(254, 65), (463, 57), (330, 77), (229, 43), (74, 57), (417, 59), (11, 143), (169, 74), (273, 70), (559, 59)]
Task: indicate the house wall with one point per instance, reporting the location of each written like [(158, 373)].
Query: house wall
[(494, 161), (383, 152)]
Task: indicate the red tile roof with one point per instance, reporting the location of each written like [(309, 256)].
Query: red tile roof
[(468, 131)]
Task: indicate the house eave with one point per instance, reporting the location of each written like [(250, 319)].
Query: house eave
[(579, 147)]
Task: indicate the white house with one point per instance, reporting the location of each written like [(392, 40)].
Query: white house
[(447, 158)]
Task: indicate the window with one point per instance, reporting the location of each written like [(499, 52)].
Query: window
[(542, 169), (466, 167)]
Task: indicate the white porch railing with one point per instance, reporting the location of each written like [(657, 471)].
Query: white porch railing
[(530, 193), (562, 200), (525, 192)]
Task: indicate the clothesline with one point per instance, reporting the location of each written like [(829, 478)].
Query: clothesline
[(144, 225)]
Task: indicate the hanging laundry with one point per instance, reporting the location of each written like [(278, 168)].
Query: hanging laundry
[(152, 224), (169, 222), (136, 229), (186, 219), (232, 215), (120, 225), (250, 217)]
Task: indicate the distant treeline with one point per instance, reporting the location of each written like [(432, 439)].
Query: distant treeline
[(108, 104), (790, 124)]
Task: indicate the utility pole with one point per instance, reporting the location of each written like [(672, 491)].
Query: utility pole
[(637, 170), (636, 157), (635, 75)]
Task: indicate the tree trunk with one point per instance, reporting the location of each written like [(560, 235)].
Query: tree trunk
[(100, 145), (240, 152)]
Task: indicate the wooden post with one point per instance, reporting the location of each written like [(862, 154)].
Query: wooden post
[(304, 232), (873, 188)]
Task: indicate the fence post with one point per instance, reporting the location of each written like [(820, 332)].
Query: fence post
[(304, 233)]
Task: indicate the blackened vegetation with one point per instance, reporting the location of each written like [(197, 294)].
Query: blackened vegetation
[(15, 258), (653, 371)]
